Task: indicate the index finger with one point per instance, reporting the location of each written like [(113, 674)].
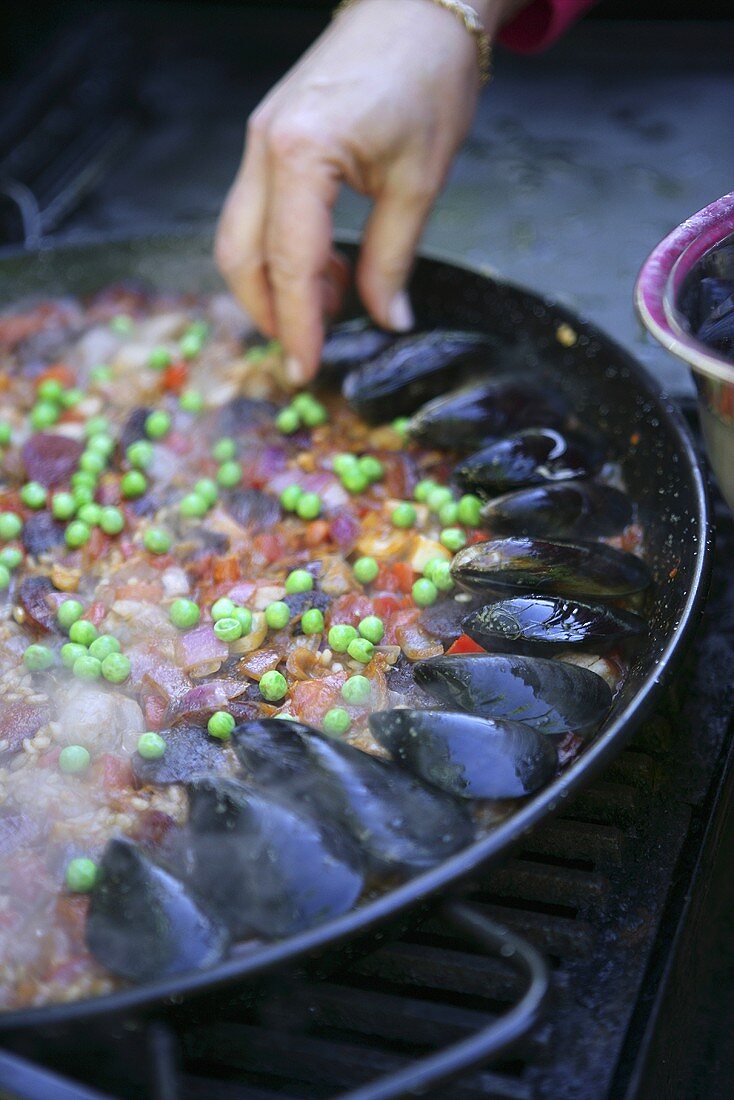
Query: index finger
[(303, 189)]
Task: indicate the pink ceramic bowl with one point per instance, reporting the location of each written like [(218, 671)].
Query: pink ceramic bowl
[(658, 297)]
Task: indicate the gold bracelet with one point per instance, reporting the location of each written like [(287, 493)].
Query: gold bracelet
[(471, 21)]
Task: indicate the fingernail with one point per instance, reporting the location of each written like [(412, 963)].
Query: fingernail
[(294, 370), (399, 312)]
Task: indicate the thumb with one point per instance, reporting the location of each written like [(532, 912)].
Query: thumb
[(390, 240)]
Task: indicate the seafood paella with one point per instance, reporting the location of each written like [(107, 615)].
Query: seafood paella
[(264, 656)]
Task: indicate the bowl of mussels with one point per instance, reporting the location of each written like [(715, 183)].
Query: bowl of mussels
[(685, 298)]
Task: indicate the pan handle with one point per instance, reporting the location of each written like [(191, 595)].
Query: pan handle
[(427, 1073)]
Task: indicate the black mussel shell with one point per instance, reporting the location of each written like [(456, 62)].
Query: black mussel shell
[(582, 509), (253, 508), (398, 822), (349, 345), (546, 624), (263, 866), (415, 369), (553, 696), (561, 567), (190, 752), (534, 456), (467, 756), (144, 923), (472, 416), (443, 619), (41, 533), (245, 414)]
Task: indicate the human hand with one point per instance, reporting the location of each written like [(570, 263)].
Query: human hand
[(382, 101)]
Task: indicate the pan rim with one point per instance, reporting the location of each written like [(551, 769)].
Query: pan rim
[(489, 850)]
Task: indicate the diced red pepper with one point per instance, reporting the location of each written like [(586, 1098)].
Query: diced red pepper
[(465, 644), (175, 377)]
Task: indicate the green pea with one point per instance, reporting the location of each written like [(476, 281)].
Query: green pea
[(429, 567), (403, 515), (312, 621), (365, 570), (243, 615), (273, 686), (361, 649), (437, 497), (63, 506), (11, 557), (342, 462), (83, 495), (371, 467), (277, 615), (4, 577), (222, 608), (290, 497), (71, 397), (355, 480), (68, 613), (288, 421), (140, 454), (92, 463), (101, 374), (340, 635), (193, 506), (336, 722), (70, 651), (50, 390), (207, 488), (400, 425), (83, 479), (314, 414), (228, 629), (33, 495), (470, 510), (372, 628), (87, 668), (6, 434), (77, 534), (309, 506), (151, 746), (441, 576), (82, 631), (156, 540), (38, 657), (90, 513), (229, 474), (425, 592), (116, 668), (81, 875), (101, 444), (43, 415), (11, 526), (453, 538), (74, 759), (448, 513), (220, 725), (96, 425), (190, 345), (157, 424), (357, 690), (159, 358), (184, 613), (191, 401), (112, 520), (102, 646), (133, 484), (299, 580), (224, 449)]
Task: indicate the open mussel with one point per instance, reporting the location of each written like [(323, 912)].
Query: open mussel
[(547, 624), (572, 509), (144, 923), (415, 369), (263, 866), (398, 821), (467, 756), (349, 345), (473, 415), (553, 696), (533, 456), (560, 566)]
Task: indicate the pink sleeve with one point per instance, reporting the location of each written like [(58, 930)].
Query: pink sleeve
[(541, 23)]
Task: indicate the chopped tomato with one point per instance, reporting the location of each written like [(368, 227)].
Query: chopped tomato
[(477, 536), (96, 613), (115, 772), (57, 372), (396, 577), (175, 377), (311, 699), (271, 546), (465, 644), (226, 569), (317, 532), (350, 609)]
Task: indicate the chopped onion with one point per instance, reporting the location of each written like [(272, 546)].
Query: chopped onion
[(200, 651)]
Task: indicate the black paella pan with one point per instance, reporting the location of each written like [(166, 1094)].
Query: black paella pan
[(613, 396)]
